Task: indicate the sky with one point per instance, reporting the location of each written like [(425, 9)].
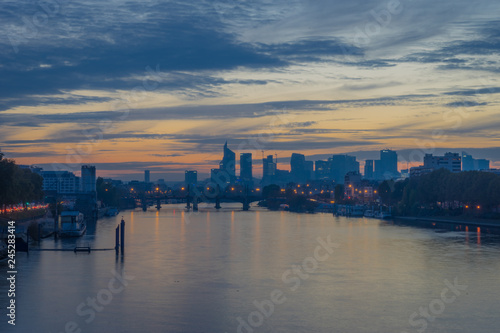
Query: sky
[(161, 85)]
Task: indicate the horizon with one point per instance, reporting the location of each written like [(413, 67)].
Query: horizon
[(157, 173)]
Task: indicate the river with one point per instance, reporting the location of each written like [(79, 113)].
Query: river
[(259, 271)]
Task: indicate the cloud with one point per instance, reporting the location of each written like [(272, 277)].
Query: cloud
[(114, 53), (208, 112), (473, 92), (309, 50), (464, 104)]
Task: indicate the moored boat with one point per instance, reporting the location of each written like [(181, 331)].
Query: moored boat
[(383, 215), (369, 213), (112, 212), (71, 224)]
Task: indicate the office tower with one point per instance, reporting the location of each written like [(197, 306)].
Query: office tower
[(191, 177), (88, 180), (268, 169), (228, 163), (298, 168), (309, 170), (226, 173), (387, 166), (146, 176), (340, 165), (322, 170), (246, 167), (369, 169)]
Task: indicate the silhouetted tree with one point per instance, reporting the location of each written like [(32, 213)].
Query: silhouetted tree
[(339, 193), (18, 185)]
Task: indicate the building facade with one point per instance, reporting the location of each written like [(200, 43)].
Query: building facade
[(60, 182), (246, 174), (191, 177), (88, 179)]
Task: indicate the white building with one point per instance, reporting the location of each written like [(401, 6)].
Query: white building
[(450, 161), (61, 182)]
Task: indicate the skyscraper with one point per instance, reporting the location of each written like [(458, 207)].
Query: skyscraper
[(88, 180), (226, 173), (309, 170), (228, 163), (146, 176), (246, 168), (298, 168), (321, 169), (191, 177), (387, 166), (268, 170), (369, 169), (340, 165)]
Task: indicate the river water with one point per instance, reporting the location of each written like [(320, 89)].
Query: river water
[(259, 271)]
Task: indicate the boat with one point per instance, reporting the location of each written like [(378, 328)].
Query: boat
[(350, 210), (71, 224), (357, 211), (112, 212), (284, 207), (369, 213), (383, 215)]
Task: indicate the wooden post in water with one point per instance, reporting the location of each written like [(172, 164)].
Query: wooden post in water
[(246, 204), (117, 239), (188, 197), (122, 240), (195, 204), (217, 198)]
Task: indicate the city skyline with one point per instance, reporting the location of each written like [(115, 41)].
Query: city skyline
[(249, 166), (300, 170), (318, 77)]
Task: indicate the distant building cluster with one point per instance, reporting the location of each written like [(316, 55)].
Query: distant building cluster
[(338, 169), (320, 174), (65, 182), (453, 162)]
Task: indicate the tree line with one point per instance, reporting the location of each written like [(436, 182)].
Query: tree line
[(444, 191), (18, 185)]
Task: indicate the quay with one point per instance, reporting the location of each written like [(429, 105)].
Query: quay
[(488, 226)]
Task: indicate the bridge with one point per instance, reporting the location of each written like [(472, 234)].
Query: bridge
[(192, 196)]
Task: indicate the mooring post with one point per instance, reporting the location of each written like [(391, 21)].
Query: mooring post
[(117, 239), (122, 241), (195, 204)]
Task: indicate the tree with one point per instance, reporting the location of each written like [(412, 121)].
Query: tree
[(107, 193), (271, 191), (18, 185), (339, 193), (384, 191)]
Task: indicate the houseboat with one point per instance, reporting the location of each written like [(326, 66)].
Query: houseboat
[(71, 224)]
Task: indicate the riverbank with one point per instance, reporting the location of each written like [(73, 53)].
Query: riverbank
[(459, 223)]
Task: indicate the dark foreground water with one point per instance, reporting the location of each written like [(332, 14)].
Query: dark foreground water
[(259, 271)]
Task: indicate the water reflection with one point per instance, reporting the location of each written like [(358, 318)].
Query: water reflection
[(200, 272)]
